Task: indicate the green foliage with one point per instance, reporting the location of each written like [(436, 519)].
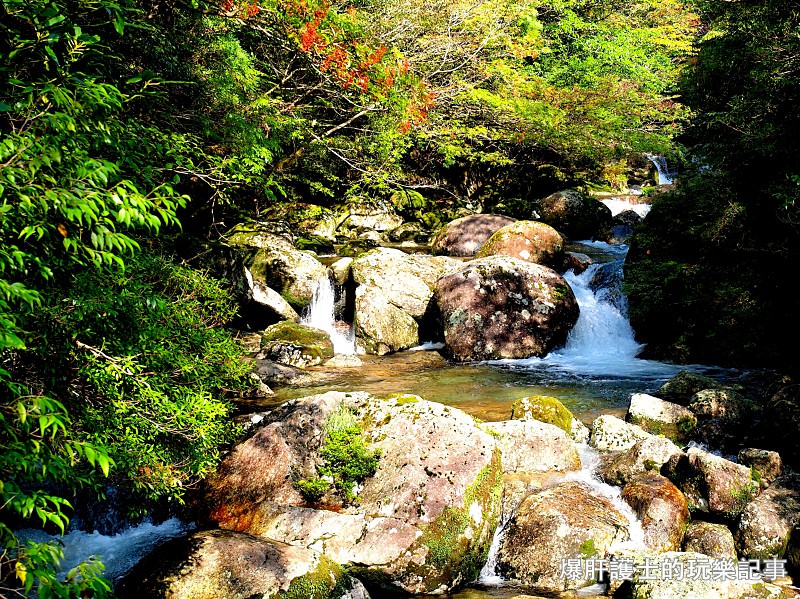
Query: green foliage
[(312, 489), (147, 346), (588, 548), (346, 458)]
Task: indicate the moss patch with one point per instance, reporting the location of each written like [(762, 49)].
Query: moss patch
[(328, 581), (454, 558), (545, 409)]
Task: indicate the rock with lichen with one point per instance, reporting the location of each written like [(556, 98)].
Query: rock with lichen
[(711, 483), (219, 563), (767, 522), (647, 455), (527, 240), (423, 522), (661, 417), (464, 236), (500, 307), (568, 521), (295, 344), (609, 433), (714, 540)]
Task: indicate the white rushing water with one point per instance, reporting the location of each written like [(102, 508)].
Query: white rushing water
[(118, 552), (590, 461), (602, 342), (665, 176), (321, 315), (617, 205)]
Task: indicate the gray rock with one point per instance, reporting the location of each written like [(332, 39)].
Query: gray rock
[(563, 522), (573, 213), (661, 417), (422, 523), (381, 327), (609, 433), (767, 522), (766, 465), (714, 540), (684, 385), (531, 446), (711, 483), (647, 455)]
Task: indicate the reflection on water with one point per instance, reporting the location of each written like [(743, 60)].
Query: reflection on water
[(482, 390)]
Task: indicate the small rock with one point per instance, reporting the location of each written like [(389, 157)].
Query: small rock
[(766, 465), (577, 262), (647, 455), (341, 270), (609, 433), (714, 540), (296, 345), (661, 417), (552, 411)]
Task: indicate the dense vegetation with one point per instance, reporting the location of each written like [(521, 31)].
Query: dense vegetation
[(129, 127), (709, 274)]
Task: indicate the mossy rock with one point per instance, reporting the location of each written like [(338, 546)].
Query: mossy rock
[(684, 385), (527, 240), (357, 248), (296, 344), (551, 411), (315, 243)]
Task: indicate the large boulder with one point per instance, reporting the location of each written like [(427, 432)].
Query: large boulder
[(714, 540), (260, 235), (609, 433), (296, 344), (292, 273), (550, 410), (369, 214), (647, 455), (422, 523), (661, 417), (394, 292), (767, 522), (219, 563), (501, 307), (527, 240), (531, 446), (575, 214), (381, 327), (712, 483), (464, 236), (662, 509), (567, 521)]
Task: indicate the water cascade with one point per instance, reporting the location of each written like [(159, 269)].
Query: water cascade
[(602, 342), (321, 314), (617, 205), (119, 552), (665, 176)]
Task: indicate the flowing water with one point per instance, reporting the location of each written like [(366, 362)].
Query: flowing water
[(594, 373), (321, 315), (621, 204), (665, 176)]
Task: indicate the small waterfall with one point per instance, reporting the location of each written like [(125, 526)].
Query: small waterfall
[(489, 575), (617, 205), (665, 176), (590, 460), (321, 315)]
